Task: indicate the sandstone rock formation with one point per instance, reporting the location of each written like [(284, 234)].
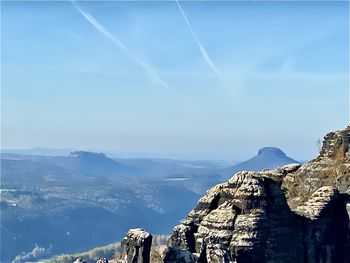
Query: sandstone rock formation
[(136, 247), (241, 220), (291, 214), (330, 168)]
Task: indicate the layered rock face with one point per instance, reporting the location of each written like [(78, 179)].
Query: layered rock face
[(136, 247), (242, 220), (294, 214), (330, 168), (291, 214)]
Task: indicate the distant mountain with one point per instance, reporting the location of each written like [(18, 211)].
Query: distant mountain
[(39, 151), (77, 162), (91, 163), (267, 158)]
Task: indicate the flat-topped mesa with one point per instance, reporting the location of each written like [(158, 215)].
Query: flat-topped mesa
[(136, 247), (271, 151)]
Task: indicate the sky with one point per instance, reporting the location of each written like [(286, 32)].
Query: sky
[(199, 80)]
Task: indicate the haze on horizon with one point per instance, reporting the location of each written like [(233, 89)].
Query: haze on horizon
[(215, 80)]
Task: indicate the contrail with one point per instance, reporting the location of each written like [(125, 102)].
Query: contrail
[(104, 31), (200, 46)]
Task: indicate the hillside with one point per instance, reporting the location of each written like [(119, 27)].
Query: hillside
[(91, 163)]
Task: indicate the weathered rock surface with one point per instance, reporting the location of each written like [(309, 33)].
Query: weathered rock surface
[(330, 168), (136, 247), (291, 214), (239, 221)]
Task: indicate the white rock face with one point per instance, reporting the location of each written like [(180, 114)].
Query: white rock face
[(293, 214), (313, 207)]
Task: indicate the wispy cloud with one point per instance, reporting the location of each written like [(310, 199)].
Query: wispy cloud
[(104, 31), (200, 46)]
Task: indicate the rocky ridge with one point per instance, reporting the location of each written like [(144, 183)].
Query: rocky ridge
[(291, 214), (241, 220), (330, 168)]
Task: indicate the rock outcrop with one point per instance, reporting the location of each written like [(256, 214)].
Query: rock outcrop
[(330, 168), (136, 247), (293, 214), (242, 220)]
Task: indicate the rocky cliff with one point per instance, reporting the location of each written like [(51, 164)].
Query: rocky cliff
[(291, 214), (136, 247)]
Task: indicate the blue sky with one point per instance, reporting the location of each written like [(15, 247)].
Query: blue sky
[(137, 77)]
